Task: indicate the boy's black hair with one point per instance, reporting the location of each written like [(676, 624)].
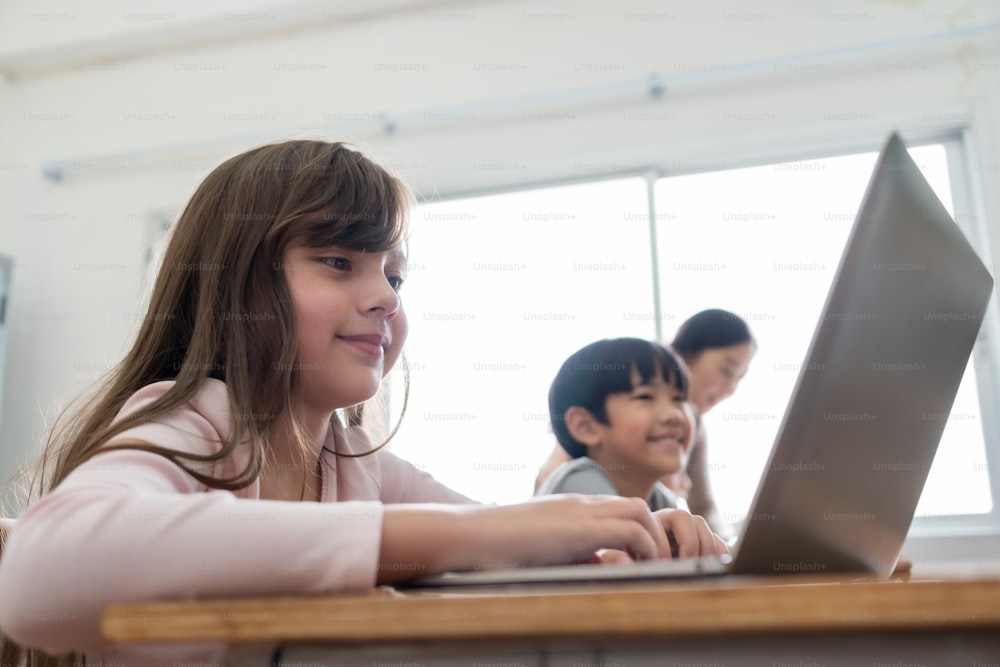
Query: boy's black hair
[(600, 369)]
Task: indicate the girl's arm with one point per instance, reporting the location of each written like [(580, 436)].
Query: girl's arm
[(127, 526), (130, 525), (423, 539)]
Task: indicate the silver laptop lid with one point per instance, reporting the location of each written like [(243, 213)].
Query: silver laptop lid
[(870, 404)]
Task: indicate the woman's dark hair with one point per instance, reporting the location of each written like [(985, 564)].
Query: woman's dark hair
[(710, 329), (600, 369)]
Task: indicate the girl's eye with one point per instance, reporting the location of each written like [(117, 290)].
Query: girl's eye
[(728, 372), (644, 396), (339, 263), (395, 281)]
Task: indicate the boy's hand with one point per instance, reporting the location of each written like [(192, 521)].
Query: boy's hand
[(690, 535)]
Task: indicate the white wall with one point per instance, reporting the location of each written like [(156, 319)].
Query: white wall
[(483, 95)]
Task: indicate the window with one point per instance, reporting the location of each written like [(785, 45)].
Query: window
[(500, 290), (735, 239), (504, 287)]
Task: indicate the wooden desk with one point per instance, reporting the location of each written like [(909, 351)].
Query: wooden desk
[(774, 621)]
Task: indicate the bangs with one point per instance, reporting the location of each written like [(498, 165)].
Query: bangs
[(655, 358), (606, 367), (374, 223), (350, 202)]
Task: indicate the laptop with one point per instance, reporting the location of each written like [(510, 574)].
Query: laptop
[(869, 406)]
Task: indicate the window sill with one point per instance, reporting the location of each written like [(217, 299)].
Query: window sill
[(954, 547)]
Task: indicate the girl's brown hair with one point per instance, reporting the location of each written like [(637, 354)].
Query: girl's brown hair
[(220, 307)]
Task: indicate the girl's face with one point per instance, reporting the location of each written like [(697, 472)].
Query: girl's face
[(716, 371), (350, 321)]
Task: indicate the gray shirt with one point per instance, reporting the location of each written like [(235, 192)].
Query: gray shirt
[(586, 476)]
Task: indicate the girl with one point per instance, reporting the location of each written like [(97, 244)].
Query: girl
[(225, 455), (717, 347)]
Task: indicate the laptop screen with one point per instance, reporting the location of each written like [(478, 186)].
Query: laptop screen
[(863, 424)]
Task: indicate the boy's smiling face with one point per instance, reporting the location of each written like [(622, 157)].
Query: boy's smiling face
[(648, 435)]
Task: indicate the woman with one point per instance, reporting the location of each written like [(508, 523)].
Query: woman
[(717, 347)]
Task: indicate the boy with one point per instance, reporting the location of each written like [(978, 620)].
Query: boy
[(619, 409)]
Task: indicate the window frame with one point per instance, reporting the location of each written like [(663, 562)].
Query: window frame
[(958, 132)]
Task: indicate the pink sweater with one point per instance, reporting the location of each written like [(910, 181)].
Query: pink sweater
[(131, 526)]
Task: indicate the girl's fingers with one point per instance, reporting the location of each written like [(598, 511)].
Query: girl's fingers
[(627, 524), (652, 526), (709, 543), (624, 524), (634, 529), (691, 535), (613, 557), (682, 526)]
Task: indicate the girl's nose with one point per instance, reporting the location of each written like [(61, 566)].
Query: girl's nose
[(380, 296)]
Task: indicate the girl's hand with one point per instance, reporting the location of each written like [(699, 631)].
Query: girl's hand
[(551, 530), (690, 534), (568, 528)]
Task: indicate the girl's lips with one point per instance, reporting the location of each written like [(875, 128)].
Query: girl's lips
[(372, 345)]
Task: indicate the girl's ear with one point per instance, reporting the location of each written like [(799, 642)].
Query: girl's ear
[(583, 426)]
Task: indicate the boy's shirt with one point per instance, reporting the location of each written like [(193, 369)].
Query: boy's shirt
[(584, 475)]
